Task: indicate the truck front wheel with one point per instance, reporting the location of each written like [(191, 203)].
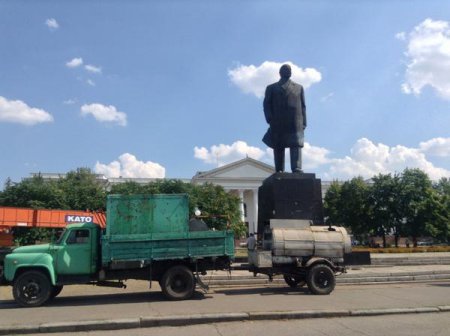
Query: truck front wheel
[(321, 279), (32, 289), (178, 283)]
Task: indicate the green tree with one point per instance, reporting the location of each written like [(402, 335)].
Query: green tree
[(79, 190), (29, 236), (435, 215), (384, 203), (353, 205), (33, 193), (416, 202), (219, 206), (82, 190), (127, 188), (443, 186), (332, 203)]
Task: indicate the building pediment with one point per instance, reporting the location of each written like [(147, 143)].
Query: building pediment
[(243, 169)]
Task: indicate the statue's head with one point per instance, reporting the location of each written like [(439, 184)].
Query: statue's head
[(285, 71)]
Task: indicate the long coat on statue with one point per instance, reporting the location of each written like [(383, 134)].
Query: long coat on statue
[(285, 112)]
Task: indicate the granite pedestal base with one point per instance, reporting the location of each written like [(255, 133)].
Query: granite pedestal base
[(290, 196)]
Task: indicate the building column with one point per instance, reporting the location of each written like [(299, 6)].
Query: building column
[(255, 210), (241, 204)]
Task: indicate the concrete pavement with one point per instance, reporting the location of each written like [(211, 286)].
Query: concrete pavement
[(187, 320), (83, 308)]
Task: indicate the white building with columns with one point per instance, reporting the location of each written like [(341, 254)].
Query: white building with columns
[(242, 178)]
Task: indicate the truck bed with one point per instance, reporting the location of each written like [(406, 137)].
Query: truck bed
[(193, 245)]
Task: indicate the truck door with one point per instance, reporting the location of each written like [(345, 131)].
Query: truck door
[(75, 255)]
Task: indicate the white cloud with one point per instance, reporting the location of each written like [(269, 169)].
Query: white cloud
[(93, 68), (16, 111), (368, 159), (254, 79), (52, 24), (436, 147), (105, 113), (90, 82), (223, 154), (400, 36), (129, 166), (314, 156), (428, 58), (74, 62)]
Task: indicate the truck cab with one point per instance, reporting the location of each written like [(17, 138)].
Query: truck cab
[(38, 272)]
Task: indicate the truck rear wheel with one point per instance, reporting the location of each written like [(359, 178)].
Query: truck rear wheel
[(178, 283), (32, 289), (294, 282), (321, 279)]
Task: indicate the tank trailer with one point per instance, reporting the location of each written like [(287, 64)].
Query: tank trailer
[(302, 253)]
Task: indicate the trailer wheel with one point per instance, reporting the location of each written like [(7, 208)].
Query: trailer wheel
[(178, 283), (55, 291), (32, 289), (294, 282), (321, 279)]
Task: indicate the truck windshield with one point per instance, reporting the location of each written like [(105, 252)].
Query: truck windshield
[(61, 236)]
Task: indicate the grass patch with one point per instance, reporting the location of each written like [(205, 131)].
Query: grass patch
[(240, 253)]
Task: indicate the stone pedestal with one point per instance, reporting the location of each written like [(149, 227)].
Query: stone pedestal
[(290, 196)]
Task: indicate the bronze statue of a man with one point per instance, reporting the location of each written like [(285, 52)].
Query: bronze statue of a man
[(285, 112)]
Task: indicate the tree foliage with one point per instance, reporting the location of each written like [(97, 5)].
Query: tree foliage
[(78, 190), (353, 205), (332, 203), (385, 206), (32, 193), (81, 190), (402, 205)]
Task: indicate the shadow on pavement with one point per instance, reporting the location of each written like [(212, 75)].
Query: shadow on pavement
[(102, 299), (264, 291), (440, 284)]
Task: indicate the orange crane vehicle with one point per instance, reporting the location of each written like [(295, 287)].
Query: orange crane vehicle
[(42, 218)]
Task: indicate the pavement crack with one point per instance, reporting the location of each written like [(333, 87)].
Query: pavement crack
[(217, 329)]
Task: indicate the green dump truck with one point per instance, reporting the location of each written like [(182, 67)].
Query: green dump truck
[(147, 237)]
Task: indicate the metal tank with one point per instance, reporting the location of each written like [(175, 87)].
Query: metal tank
[(318, 241)]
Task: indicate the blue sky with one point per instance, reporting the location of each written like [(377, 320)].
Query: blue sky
[(169, 88)]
